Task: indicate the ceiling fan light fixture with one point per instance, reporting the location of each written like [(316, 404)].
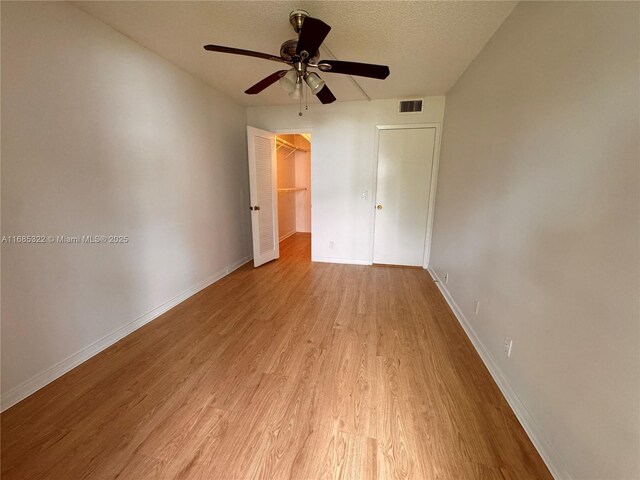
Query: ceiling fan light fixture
[(315, 82), (297, 91), (289, 80)]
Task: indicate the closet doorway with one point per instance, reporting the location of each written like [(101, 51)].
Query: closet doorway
[(293, 157)]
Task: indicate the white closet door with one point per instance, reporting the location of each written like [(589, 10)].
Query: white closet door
[(263, 192), (405, 160)]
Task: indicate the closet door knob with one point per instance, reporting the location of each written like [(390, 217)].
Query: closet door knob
[(379, 207)]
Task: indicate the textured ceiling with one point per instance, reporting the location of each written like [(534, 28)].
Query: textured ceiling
[(427, 44)]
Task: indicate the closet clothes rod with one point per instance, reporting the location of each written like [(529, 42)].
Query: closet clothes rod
[(287, 190), (284, 143)]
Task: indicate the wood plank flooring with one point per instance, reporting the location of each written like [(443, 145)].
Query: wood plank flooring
[(295, 370)]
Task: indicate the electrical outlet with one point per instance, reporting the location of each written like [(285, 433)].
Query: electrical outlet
[(331, 244), (364, 194), (446, 278), (508, 345), (477, 306)]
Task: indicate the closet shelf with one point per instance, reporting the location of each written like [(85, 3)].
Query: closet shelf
[(287, 190), (283, 143)]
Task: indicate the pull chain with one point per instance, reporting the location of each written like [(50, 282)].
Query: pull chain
[(300, 101)]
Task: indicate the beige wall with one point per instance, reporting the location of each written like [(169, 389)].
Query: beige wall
[(102, 137), (286, 179), (303, 180), (537, 216)]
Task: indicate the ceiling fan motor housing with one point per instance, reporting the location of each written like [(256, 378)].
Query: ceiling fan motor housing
[(288, 51)]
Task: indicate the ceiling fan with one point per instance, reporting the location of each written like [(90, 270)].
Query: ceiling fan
[(301, 54)]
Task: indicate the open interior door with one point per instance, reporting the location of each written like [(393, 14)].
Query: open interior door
[(264, 198)]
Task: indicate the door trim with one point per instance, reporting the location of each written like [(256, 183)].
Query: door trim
[(432, 191), (298, 131)]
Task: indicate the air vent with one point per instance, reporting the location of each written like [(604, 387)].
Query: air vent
[(410, 106)]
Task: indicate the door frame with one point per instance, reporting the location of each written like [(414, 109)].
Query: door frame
[(298, 131), (432, 188)]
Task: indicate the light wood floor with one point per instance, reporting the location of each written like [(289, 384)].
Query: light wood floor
[(290, 371)]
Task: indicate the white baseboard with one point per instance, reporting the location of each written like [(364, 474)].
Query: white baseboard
[(286, 235), (531, 427), (349, 261), (45, 377)]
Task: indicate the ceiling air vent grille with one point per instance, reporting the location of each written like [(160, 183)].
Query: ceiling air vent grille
[(413, 105)]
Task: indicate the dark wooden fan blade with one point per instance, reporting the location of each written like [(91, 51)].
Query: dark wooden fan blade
[(239, 51), (353, 68), (312, 35), (325, 95), (265, 82)]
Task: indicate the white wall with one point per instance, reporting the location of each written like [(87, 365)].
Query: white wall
[(537, 216), (102, 137), (342, 160)]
